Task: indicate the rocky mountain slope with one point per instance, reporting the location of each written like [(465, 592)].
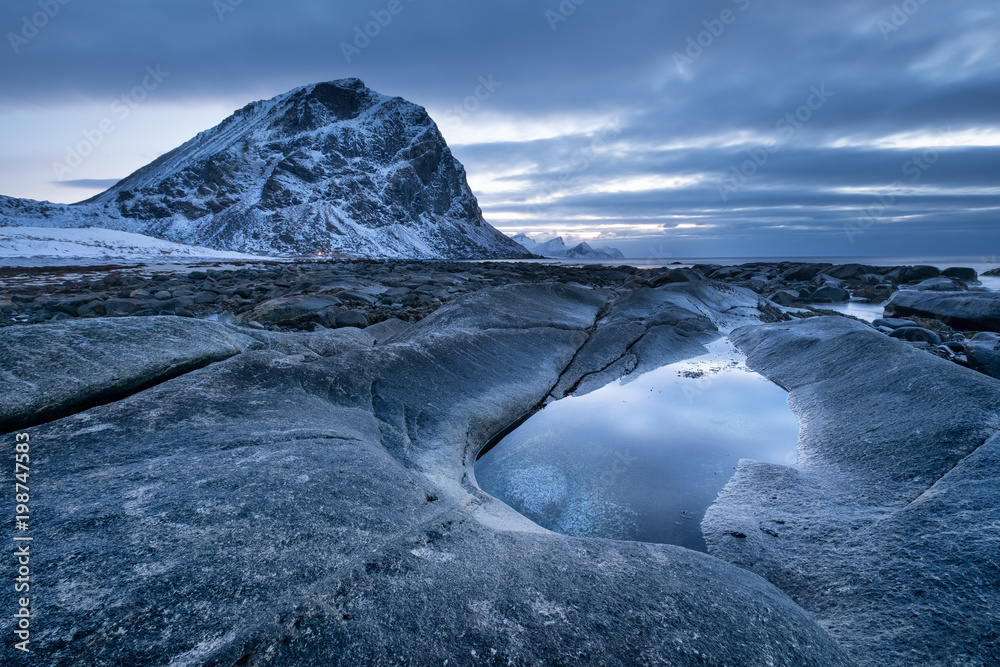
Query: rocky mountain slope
[(326, 168)]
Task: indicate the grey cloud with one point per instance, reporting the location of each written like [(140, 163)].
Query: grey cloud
[(939, 69)]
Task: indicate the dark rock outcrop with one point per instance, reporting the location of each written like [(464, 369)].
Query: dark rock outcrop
[(974, 311), (965, 274), (983, 353)]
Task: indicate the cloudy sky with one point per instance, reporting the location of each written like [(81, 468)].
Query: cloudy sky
[(668, 129)]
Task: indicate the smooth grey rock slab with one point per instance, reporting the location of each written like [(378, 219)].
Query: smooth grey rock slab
[(522, 307), (383, 332), (50, 370), (320, 343), (625, 340), (975, 311), (885, 530), (262, 511)]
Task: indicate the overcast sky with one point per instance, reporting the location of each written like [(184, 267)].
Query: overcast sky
[(680, 128)]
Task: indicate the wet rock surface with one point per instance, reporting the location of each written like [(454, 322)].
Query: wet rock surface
[(295, 504), (338, 294), (976, 311), (84, 362), (362, 391), (294, 296), (884, 530)]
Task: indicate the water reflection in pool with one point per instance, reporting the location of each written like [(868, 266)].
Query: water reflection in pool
[(862, 310), (642, 460)]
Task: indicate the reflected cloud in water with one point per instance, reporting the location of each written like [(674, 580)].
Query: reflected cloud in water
[(642, 459)]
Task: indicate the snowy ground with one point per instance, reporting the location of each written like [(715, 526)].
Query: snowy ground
[(37, 256), (37, 246)]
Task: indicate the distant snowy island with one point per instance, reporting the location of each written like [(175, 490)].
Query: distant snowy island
[(557, 249)]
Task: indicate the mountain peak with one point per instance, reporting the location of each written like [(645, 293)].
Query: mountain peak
[(331, 167), (343, 98)]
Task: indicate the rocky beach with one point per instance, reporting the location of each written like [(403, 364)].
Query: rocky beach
[(271, 463)]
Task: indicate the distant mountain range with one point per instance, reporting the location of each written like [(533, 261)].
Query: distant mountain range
[(331, 168), (556, 248)]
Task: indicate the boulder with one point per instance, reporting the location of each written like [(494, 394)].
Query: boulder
[(122, 307), (204, 297), (983, 353), (892, 322), (965, 274), (91, 308), (940, 284), (785, 297), (913, 274), (968, 311), (351, 318), (834, 294), (849, 271), (725, 272), (804, 271), (291, 310), (916, 335)]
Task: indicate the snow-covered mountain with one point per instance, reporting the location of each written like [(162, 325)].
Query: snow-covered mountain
[(556, 248), (326, 168)]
